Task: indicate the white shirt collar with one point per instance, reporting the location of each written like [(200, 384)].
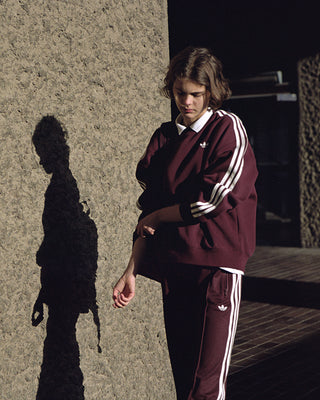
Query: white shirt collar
[(197, 125)]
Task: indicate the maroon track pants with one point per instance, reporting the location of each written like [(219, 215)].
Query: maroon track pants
[(201, 308)]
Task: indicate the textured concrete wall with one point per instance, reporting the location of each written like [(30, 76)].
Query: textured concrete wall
[(309, 150), (95, 66)]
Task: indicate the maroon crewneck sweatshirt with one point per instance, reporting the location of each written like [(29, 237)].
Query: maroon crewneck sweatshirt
[(211, 174)]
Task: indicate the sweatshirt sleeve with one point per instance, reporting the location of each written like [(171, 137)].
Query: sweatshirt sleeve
[(149, 170), (143, 171), (229, 176)]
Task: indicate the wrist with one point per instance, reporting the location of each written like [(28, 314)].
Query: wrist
[(168, 214), (130, 267), (159, 217)]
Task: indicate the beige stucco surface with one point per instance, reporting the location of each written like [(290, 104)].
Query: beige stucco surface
[(309, 149), (96, 66)]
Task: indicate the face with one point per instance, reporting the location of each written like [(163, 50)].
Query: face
[(45, 159), (191, 99)]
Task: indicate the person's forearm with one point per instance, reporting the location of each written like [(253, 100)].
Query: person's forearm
[(149, 224), (169, 214), (136, 256)]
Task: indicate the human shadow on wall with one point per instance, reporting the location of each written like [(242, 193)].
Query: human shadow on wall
[(68, 259)]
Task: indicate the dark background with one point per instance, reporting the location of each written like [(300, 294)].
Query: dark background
[(248, 36), (252, 38)]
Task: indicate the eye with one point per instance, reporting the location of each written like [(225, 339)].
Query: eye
[(197, 94)]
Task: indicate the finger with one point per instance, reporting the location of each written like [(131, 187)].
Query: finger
[(120, 301), (146, 231), (117, 304), (123, 300), (116, 293), (141, 231), (149, 230), (118, 287)]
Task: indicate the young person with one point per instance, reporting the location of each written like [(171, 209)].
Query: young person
[(197, 226)]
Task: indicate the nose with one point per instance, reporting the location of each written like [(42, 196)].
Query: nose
[(187, 100)]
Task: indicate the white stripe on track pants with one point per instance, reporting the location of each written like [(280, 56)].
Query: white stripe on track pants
[(201, 309)]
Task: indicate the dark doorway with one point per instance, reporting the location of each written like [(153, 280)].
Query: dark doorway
[(248, 36), (254, 39), (271, 121)]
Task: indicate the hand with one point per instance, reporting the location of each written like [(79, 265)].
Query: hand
[(148, 225), (124, 290)]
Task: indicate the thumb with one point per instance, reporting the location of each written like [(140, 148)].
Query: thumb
[(118, 288)]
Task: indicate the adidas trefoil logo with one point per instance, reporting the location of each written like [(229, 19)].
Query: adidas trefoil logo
[(223, 308), (204, 145)]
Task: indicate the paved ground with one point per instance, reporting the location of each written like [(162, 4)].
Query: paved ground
[(277, 347)]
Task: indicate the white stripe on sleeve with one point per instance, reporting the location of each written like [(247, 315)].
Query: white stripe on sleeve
[(232, 175)]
